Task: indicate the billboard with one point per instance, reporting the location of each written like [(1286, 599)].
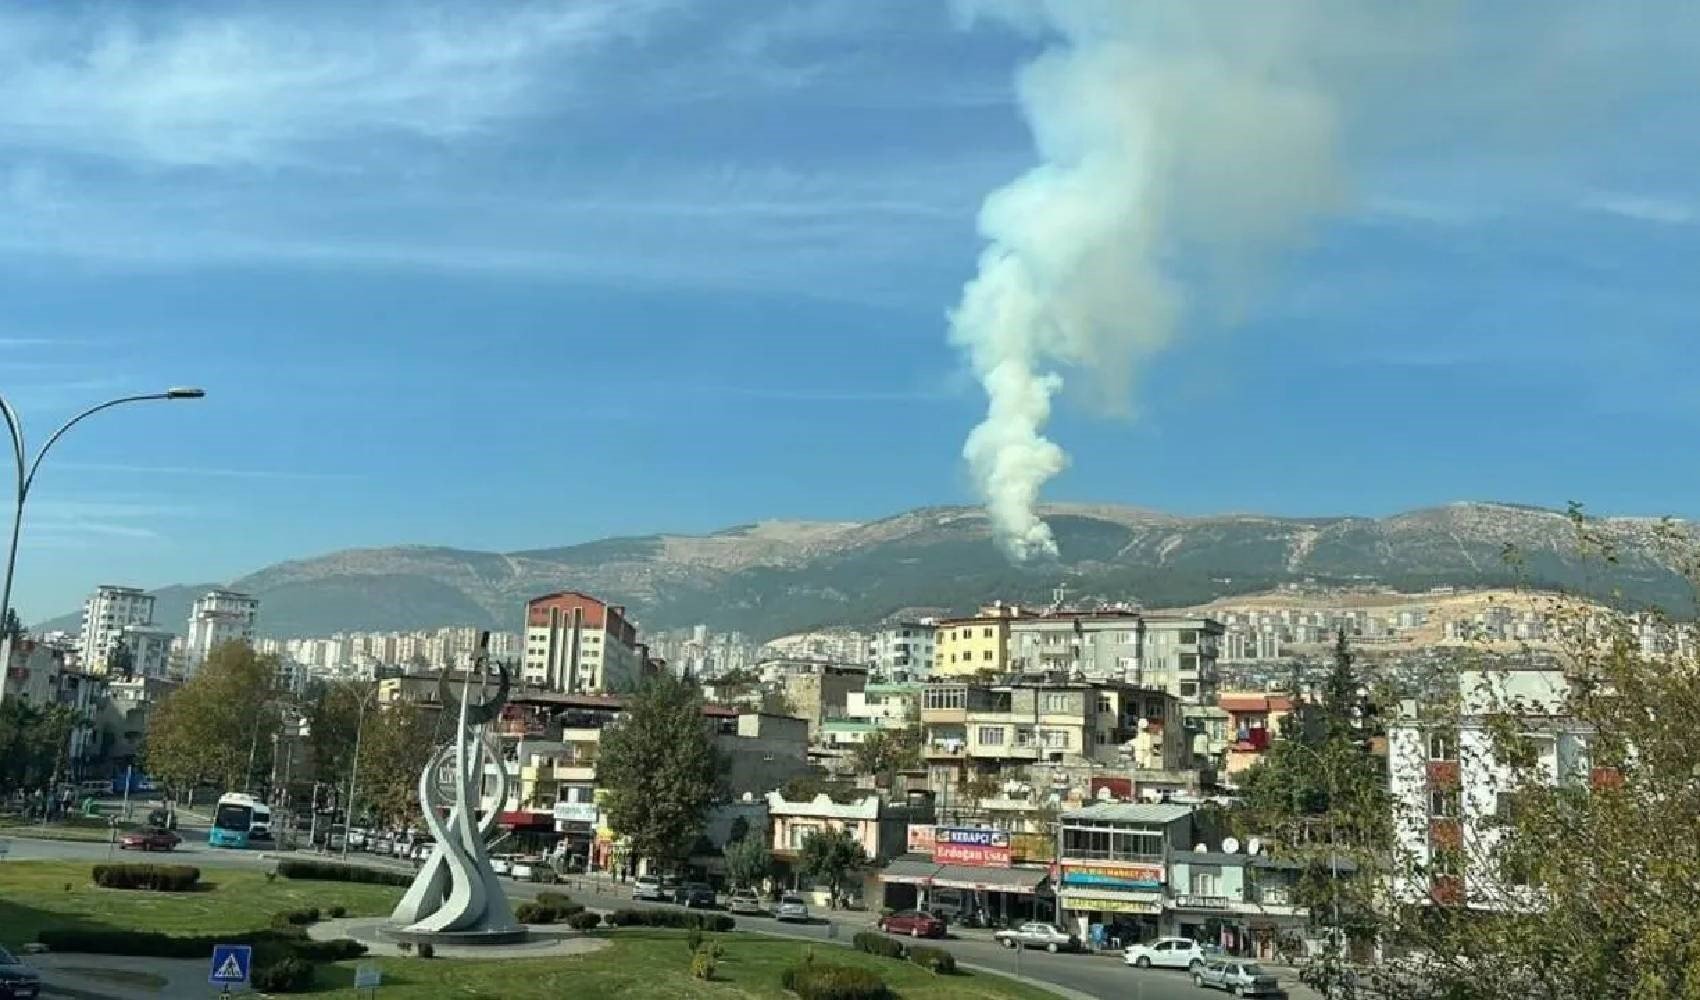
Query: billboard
[(1115, 876), (920, 838), (966, 846)]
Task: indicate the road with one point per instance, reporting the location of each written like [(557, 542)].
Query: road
[(1091, 975)]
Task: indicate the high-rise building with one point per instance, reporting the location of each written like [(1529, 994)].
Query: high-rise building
[(105, 617), (577, 644), (218, 617), (150, 650)]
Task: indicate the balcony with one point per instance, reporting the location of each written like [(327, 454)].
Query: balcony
[(1446, 833), (561, 769), (949, 750), (1447, 890), (1443, 774)]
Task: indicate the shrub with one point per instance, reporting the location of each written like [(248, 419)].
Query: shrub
[(339, 950), (586, 921), (681, 919), (693, 939), (553, 898), (877, 944), (337, 912), (937, 960), (551, 910), (327, 871), (824, 981), (296, 918), (705, 960), (269, 945), (161, 878), (287, 975)]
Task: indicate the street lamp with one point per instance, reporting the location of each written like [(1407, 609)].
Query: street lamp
[(354, 771), (27, 467)]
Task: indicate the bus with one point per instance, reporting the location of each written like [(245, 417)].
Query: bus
[(240, 819)]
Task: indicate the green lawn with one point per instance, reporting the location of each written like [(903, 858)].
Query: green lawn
[(35, 895), (652, 964), (91, 831)]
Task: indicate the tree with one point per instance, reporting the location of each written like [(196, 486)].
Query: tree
[(394, 744), (32, 741), (884, 753), (1342, 708), (775, 702), (829, 856), (217, 725), (661, 769), (748, 860), (333, 715)]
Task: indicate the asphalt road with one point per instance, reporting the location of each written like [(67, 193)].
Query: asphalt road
[(1094, 976)]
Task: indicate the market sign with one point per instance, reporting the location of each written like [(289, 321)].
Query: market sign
[(1093, 903), (920, 838), (1115, 876), (1201, 902), (968, 846), (575, 812)]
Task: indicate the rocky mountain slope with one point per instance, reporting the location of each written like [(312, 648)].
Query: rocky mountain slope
[(776, 577)]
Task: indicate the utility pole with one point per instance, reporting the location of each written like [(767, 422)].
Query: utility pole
[(354, 772)]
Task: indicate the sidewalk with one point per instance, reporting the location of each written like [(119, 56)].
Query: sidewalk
[(79, 976)]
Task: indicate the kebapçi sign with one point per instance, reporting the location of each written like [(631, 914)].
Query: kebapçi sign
[(954, 845)]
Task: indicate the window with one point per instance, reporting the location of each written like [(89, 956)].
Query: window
[(1189, 637), (1100, 738), (1207, 882), (1189, 689), (1054, 739), (1104, 704), (991, 736), (986, 655), (800, 832), (946, 697), (1189, 661), (1443, 803), (1439, 746), (1057, 702), (986, 633), (1024, 736)]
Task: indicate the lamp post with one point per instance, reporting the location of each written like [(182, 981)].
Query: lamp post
[(354, 771), (28, 467)]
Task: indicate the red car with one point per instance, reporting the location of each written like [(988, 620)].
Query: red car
[(149, 840), (913, 923)]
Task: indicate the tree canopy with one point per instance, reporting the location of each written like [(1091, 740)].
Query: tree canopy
[(661, 770), (212, 727), (829, 856), (748, 860)]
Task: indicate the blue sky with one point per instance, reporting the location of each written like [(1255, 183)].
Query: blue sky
[(516, 275)]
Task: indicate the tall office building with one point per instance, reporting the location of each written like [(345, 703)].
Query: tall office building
[(105, 617), (218, 617), (577, 644)]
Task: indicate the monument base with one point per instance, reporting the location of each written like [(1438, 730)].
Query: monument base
[(459, 939)]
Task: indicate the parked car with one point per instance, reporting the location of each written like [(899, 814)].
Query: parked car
[(650, 887), (744, 901), (527, 870), (1038, 935), (1170, 953), (422, 849), (914, 923), (148, 840), (791, 907), (1244, 979), (694, 894), (501, 864), (17, 980)]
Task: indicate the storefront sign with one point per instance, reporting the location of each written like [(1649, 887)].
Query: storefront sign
[(920, 838), (1103, 903), (1201, 902), (575, 812), (967, 846), (1115, 876)]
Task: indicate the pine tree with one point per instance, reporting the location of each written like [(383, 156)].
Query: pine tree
[(1341, 703)]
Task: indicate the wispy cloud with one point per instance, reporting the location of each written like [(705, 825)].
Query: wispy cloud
[(1664, 211)]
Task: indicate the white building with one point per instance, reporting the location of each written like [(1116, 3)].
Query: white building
[(1173, 653), (903, 650), (218, 617), (150, 650), (1179, 656), (105, 617), (1447, 781)]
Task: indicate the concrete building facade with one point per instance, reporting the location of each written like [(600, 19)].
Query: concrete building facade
[(218, 617), (106, 614), (577, 644)]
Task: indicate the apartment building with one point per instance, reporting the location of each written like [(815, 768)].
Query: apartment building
[(1179, 655), (1255, 720), (576, 644), (1113, 863), (904, 650), (1087, 645), (821, 691), (217, 617), (150, 650), (1447, 781), (963, 647), (106, 614)]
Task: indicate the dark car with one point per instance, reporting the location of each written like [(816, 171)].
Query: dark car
[(17, 980), (914, 923), (148, 840), (695, 894)]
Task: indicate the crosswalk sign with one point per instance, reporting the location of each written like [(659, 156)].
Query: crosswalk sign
[(230, 964)]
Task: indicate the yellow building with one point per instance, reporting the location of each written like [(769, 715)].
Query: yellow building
[(965, 646)]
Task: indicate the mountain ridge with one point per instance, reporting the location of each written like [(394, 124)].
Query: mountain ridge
[(777, 576)]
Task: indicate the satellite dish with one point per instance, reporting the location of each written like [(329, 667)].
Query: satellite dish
[(1199, 848), (1254, 846), (1103, 793), (1230, 846)]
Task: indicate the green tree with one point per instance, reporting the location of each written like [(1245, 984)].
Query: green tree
[(333, 715), (829, 856), (883, 753), (218, 724), (1342, 705), (395, 742), (748, 860), (661, 769), (32, 743)]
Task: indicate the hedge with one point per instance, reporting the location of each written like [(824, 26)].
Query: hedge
[(585, 921), (824, 981), (269, 945), (553, 898), (288, 974), (877, 944), (296, 918), (161, 878), (547, 912), (327, 871), (937, 960), (681, 919)]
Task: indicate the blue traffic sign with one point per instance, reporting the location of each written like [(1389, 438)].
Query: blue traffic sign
[(230, 964)]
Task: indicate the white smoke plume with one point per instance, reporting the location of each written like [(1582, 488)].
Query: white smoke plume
[(1171, 135)]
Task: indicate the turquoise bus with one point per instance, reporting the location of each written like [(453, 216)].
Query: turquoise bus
[(240, 820)]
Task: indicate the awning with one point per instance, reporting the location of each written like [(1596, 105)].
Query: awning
[(1026, 881), (910, 869), (527, 820)]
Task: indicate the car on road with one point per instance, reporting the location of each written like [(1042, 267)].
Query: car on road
[(1170, 953), (501, 864), (1241, 978), (653, 888), (1038, 935), (148, 840), (914, 923), (744, 901), (527, 870), (17, 980), (693, 895), (791, 907)]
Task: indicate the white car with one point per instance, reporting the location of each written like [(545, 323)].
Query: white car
[(501, 864), (1242, 978), (525, 870), (791, 908), (1170, 953)]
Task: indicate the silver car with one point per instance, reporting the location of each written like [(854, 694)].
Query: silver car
[(1038, 935), (1242, 979), (791, 908)]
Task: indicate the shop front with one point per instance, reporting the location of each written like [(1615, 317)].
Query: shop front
[(969, 875), (1113, 904), (576, 823)]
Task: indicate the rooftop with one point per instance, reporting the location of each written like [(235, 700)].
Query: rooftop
[(1130, 812)]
